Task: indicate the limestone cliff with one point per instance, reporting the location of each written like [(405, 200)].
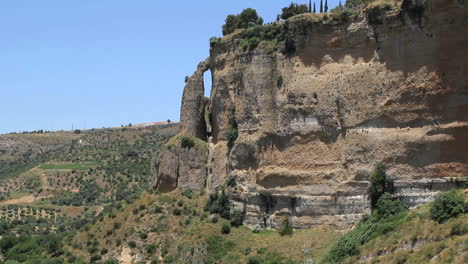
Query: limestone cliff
[(315, 114)]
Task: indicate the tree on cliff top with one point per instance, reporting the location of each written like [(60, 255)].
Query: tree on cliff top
[(247, 19), (293, 9)]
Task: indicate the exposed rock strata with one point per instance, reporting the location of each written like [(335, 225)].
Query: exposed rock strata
[(387, 87), (177, 167)]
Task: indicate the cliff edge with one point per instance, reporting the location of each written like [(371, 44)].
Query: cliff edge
[(317, 101)]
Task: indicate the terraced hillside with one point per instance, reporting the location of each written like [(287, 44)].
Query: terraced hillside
[(77, 168)]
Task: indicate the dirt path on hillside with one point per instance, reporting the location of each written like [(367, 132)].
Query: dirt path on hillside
[(27, 199), (125, 256)]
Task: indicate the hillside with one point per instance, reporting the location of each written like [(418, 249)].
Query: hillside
[(71, 167), (175, 228), (327, 138)]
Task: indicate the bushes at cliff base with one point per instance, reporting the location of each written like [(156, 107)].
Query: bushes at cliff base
[(448, 205), (389, 214)]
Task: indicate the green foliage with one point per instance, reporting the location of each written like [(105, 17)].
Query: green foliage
[(214, 41), (459, 229), (132, 244), (269, 258), (237, 218), (279, 81), (217, 248), (367, 229), (231, 136), (292, 10), (186, 142), (356, 3), (286, 228), (447, 205), (110, 261), (219, 204), (387, 206), (30, 248), (270, 35), (343, 14), (176, 211), (248, 18), (378, 183), (95, 258), (225, 229)]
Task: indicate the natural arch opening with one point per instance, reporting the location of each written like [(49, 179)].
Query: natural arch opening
[(207, 83)]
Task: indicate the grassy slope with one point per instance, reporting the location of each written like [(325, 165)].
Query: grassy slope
[(419, 240), (179, 234)]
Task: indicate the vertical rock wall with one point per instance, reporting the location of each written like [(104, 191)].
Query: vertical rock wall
[(390, 86)]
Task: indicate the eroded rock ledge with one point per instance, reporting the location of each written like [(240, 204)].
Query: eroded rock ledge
[(389, 87)]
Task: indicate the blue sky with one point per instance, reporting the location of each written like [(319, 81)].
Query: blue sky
[(104, 62)]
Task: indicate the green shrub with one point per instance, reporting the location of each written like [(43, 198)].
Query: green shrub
[(225, 229), (286, 228), (355, 3), (447, 205), (143, 235), (459, 229), (271, 35), (269, 258), (237, 218), (378, 184), (95, 258), (111, 261), (387, 206), (176, 211), (151, 248), (368, 228), (248, 18), (217, 248), (218, 204), (279, 81), (292, 10), (341, 13), (186, 142), (232, 135), (132, 244)]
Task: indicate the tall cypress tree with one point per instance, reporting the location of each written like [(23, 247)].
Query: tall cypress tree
[(310, 6), (321, 6), (340, 4), (314, 7), (326, 6)]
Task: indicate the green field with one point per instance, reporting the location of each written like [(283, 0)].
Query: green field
[(68, 166)]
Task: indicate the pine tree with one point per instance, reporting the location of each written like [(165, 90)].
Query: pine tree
[(310, 6), (340, 4), (321, 6), (326, 6), (314, 7)]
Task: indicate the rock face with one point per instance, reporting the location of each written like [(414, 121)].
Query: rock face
[(192, 111), (389, 87), (180, 167)]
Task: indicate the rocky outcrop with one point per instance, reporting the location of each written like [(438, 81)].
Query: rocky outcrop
[(192, 118), (389, 86), (176, 166)]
